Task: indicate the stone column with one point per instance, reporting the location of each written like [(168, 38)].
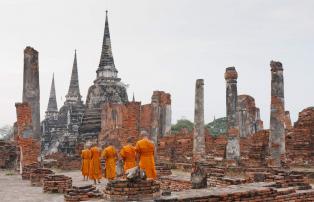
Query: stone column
[(233, 145), (198, 175), (155, 130), (31, 92), (277, 116), (288, 124), (198, 136)]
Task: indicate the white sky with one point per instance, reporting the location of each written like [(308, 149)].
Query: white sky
[(164, 45)]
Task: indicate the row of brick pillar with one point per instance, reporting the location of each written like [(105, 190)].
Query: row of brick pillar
[(277, 118)]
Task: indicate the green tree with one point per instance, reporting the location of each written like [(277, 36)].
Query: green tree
[(182, 123), (218, 126)]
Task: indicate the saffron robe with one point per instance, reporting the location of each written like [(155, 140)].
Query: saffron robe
[(110, 155), (86, 155), (95, 167), (128, 154), (146, 149)]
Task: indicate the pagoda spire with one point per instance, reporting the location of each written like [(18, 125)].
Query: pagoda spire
[(74, 88), (52, 103), (106, 66), (133, 98)]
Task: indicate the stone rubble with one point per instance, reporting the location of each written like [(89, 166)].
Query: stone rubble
[(8, 154)]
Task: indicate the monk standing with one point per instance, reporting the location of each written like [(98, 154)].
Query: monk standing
[(110, 156), (128, 154), (95, 167), (145, 149), (86, 156)]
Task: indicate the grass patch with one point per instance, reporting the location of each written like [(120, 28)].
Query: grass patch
[(10, 173)]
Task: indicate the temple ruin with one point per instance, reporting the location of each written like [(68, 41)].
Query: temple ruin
[(244, 162)]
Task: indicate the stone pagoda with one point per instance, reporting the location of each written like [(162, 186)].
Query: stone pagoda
[(50, 125), (71, 113), (60, 128), (107, 88)]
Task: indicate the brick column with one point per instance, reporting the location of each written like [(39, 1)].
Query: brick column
[(198, 175), (29, 148), (31, 92), (155, 125), (277, 116), (198, 136), (233, 146)]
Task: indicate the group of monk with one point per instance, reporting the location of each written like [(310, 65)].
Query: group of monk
[(142, 155)]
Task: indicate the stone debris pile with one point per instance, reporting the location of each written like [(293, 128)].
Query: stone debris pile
[(37, 176), (82, 193), (57, 183), (126, 190), (8, 154)]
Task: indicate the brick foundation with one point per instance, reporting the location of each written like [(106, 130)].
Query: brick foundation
[(26, 171), (37, 176), (56, 183), (83, 193), (124, 190)]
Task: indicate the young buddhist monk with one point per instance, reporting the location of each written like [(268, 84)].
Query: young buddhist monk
[(145, 149), (86, 156), (110, 156), (95, 167), (128, 154)]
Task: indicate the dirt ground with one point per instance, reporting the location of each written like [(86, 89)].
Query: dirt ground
[(14, 189)]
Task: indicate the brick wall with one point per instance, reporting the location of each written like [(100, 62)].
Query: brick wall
[(300, 139), (120, 121), (178, 148), (30, 150), (24, 117), (254, 149)]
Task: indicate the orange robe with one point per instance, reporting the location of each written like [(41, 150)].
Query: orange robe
[(95, 167), (86, 155), (128, 154), (110, 156), (146, 150)]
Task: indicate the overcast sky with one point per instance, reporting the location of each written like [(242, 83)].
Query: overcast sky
[(162, 45)]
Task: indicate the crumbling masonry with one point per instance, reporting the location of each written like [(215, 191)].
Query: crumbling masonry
[(233, 146), (277, 116), (31, 92)]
